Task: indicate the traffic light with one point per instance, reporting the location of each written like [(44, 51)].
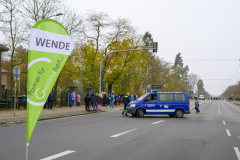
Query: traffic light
[(103, 83), (155, 46)]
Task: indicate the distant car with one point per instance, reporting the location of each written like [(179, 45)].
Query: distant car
[(201, 97)]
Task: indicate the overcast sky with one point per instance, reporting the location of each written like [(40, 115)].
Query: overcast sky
[(198, 29)]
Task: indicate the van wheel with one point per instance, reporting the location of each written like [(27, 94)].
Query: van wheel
[(171, 115), (140, 113), (179, 113), (134, 115)]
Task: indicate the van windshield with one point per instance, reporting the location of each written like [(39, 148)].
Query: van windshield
[(141, 97)]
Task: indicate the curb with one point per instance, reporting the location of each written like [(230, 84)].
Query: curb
[(48, 118)]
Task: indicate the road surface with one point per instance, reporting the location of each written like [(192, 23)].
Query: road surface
[(212, 134)]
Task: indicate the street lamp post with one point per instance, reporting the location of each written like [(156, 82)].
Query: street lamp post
[(100, 77), (59, 14)]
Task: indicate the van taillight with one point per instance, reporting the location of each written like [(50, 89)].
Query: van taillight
[(188, 105)]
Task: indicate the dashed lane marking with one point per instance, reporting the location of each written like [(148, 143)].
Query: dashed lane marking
[(120, 134), (228, 132), (224, 122), (218, 108), (237, 152), (58, 155), (157, 122)]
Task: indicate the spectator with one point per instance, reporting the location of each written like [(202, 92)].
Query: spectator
[(108, 99), (78, 100), (72, 98), (86, 100), (116, 100), (112, 99), (76, 97), (94, 103), (132, 98), (50, 99), (99, 101), (104, 99)]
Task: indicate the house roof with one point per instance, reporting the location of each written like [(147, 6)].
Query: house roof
[(3, 48), (3, 70)]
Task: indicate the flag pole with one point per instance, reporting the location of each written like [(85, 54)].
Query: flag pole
[(27, 144)]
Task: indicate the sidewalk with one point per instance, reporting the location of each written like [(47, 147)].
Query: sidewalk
[(6, 117), (236, 102)]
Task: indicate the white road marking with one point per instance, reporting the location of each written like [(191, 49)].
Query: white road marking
[(218, 108), (120, 134), (237, 152), (224, 122), (157, 122), (228, 132), (58, 155)]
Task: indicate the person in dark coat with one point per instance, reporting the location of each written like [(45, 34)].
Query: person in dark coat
[(135, 98), (116, 100), (86, 100), (104, 99), (50, 99), (94, 103), (126, 100)]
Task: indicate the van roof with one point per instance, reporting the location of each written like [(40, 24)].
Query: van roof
[(155, 91)]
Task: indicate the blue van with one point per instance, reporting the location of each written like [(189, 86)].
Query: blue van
[(171, 103)]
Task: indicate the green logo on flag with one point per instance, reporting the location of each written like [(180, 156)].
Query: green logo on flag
[(49, 48)]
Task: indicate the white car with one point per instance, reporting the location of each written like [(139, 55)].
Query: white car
[(201, 97)]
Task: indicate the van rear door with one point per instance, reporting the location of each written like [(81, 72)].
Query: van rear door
[(180, 101)]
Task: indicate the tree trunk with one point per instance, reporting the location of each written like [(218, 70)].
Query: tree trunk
[(110, 88), (0, 74)]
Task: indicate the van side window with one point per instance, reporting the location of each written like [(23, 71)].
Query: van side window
[(151, 98), (179, 97), (165, 97)]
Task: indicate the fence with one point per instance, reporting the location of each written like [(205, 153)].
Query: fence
[(61, 98)]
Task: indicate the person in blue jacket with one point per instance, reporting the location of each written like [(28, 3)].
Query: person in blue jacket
[(50, 99), (72, 98), (132, 98), (126, 100), (112, 99), (197, 106)]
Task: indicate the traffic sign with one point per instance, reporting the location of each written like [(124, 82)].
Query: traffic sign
[(16, 78), (16, 71), (148, 86), (157, 86)]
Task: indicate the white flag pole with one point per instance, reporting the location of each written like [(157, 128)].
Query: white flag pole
[(27, 144)]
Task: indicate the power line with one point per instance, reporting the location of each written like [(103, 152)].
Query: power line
[(213, 86), (217, 79), (232, 75), (215, 60)]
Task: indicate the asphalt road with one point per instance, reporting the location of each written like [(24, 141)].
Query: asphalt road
[(210, 135)]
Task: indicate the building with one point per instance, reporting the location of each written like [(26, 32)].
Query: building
[(3, 73), (4, 84)]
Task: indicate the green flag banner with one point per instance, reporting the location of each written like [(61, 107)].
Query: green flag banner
[(48, 49)]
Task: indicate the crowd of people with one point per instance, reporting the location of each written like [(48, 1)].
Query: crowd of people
[(103, 99), (95, 101)]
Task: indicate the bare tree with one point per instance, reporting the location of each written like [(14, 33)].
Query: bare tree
[(192, 80), (11, 28), (95, 25), (35, 10)]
